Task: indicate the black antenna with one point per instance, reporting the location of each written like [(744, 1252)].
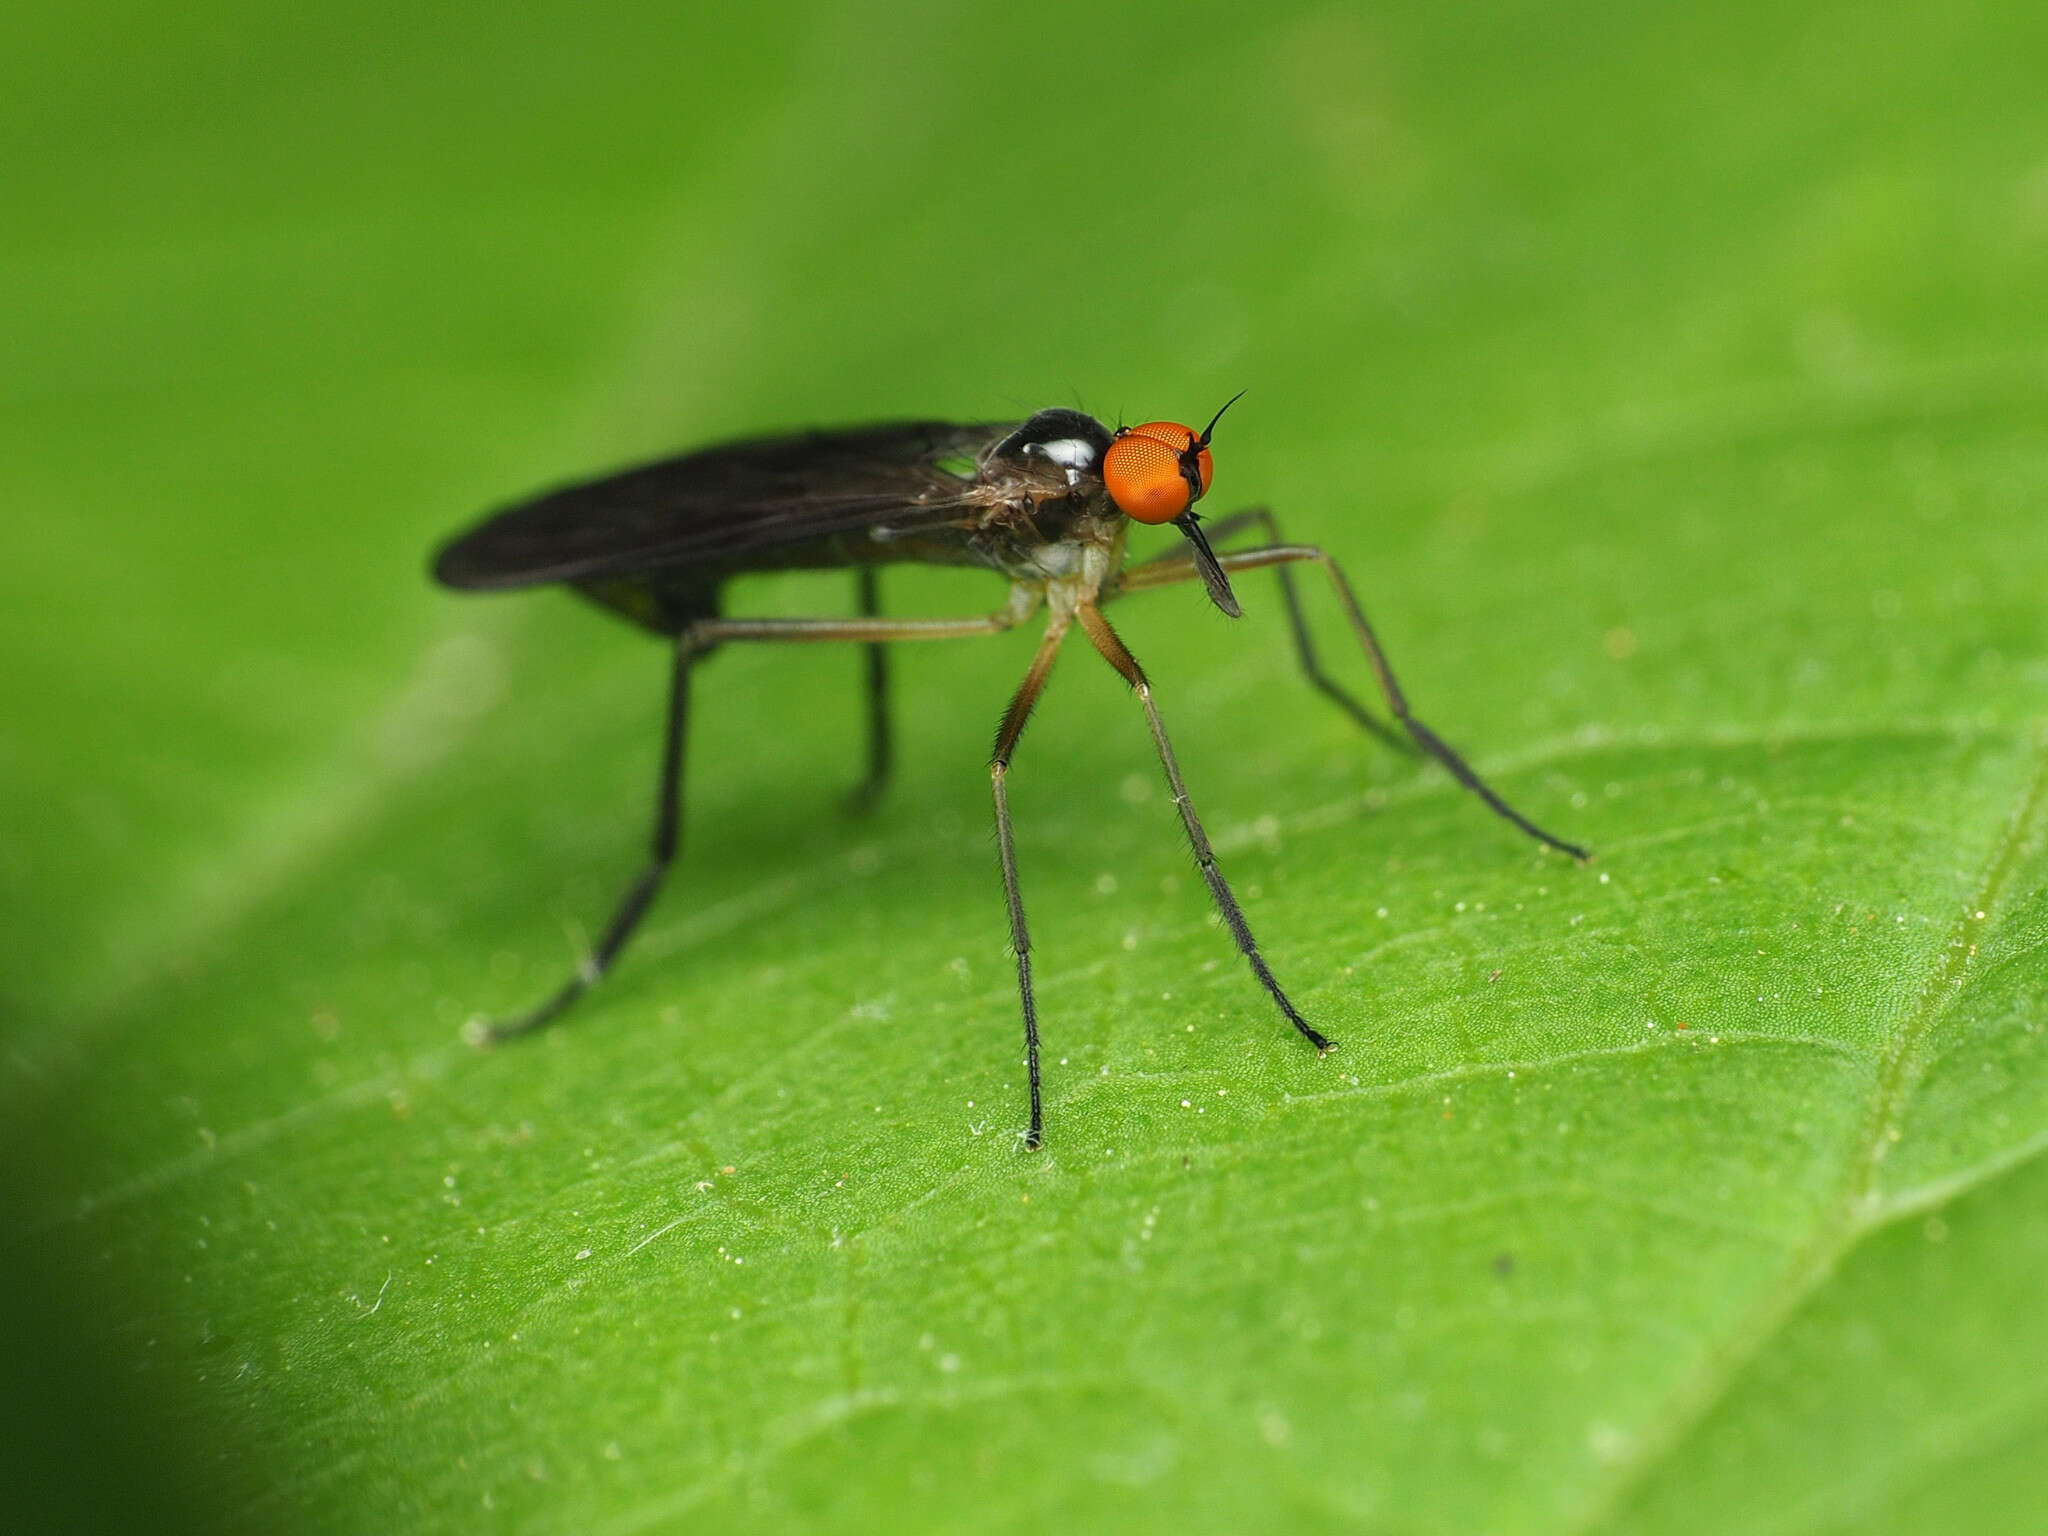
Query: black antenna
[(1203, 440)]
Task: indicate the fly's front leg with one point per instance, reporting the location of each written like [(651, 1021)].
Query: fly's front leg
[(1397, 702), (1179, 565), (1114, 652)]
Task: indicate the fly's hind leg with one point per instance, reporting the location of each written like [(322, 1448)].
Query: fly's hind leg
[(640, 894), (700, 636)]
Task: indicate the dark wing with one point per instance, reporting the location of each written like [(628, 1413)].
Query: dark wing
[(723, 504)]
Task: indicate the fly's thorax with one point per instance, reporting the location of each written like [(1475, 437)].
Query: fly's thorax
[(1064, 561), (1043, 535)]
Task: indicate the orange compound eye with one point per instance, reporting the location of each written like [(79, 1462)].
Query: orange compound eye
[(1145, 471)]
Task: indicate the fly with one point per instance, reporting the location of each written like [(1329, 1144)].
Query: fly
[(1045, 504)]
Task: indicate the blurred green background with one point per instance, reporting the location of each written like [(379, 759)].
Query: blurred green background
[(1675, 387)]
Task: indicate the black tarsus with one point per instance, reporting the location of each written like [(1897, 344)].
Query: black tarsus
[(1434, 745), (1427, 739)]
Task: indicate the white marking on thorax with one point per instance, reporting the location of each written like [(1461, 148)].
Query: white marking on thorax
[(1070, 453)]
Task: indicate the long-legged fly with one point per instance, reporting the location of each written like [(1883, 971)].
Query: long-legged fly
[(1046, 505)]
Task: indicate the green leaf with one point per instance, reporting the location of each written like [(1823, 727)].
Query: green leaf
[(1673, 388)]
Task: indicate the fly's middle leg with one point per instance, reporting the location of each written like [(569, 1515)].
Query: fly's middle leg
[(1111, 645), (1014, 720)]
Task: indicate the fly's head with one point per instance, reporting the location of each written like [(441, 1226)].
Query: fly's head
[(1155, 473)]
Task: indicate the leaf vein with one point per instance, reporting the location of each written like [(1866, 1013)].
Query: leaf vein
[(1856, 1214)]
